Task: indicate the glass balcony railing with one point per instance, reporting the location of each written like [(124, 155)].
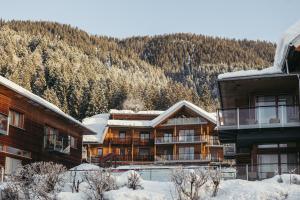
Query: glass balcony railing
[(180, 139), (258, 117), (185, 157), (184, 121)]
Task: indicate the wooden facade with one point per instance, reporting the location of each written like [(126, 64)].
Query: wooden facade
[(183, 137), (22, 136)]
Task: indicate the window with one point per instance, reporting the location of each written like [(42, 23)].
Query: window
[(100, 152), (122, 134), (74, 142), (54, 141), (16, 119), (3, 124), (144, 135), (186, 153), (122, 151), (186, 135), (144, 152), (167, 137)]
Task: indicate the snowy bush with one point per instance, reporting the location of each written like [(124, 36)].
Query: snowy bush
[(10, 191), (295, 180), (39, 180), (134, 180), (215, 176), (99, 182), (75, 182), (188, 183)]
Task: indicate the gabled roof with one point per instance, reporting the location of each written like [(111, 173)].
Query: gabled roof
[(98, 123), (101, 122), (29, 95), (179, 105)]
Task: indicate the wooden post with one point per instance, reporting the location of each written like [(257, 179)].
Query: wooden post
[(154, 144), (132, 145), (109, 143), (174, 136)]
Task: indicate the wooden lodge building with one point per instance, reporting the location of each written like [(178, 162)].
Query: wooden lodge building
[(32, 129), (183, 134)]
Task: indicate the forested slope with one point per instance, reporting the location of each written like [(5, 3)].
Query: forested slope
[(85, 74)]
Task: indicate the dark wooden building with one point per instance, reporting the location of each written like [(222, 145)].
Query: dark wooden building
[(258, 121), (32, 129)]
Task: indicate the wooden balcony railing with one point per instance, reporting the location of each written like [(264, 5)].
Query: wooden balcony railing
[(130, 140), (140, 141), (117, 140)]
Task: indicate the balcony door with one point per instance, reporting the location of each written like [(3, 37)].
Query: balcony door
[(186, 153), (266, 109), (272, 109)]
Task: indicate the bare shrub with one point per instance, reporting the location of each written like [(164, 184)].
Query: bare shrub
[(99, 182), (134, 180), (11, 192), (39, 180), (215, 176), (189, 182), (75, 182)]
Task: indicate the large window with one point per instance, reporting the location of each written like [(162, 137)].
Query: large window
[(145, 136), (167, 137), (74, 142), (186, 135), (3, 124), (54, 141), (16, 119), (186, 153)]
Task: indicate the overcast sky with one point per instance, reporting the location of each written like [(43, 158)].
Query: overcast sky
[(252, 19)]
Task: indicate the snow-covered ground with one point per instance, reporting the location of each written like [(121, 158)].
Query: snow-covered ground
[(235, 189)]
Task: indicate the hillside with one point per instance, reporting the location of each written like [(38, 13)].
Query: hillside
[(85, 74)]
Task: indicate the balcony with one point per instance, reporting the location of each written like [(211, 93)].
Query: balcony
[(117, 140), (184, 121), (185, 158), (213, 141), (180, 140), (258, 117), (57, 143), (143, 141)]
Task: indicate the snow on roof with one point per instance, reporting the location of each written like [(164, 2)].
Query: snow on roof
[(269, 70), (179, 105), (130, 123), (22, 91), (150, 112), (290, 37), (144, 112), (98, 123)]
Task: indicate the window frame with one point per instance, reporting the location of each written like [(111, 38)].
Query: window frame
[(73, 142), (12, 113), (2, 131)]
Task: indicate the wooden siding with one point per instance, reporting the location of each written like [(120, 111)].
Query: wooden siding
[(31, 137), (112, 144)]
